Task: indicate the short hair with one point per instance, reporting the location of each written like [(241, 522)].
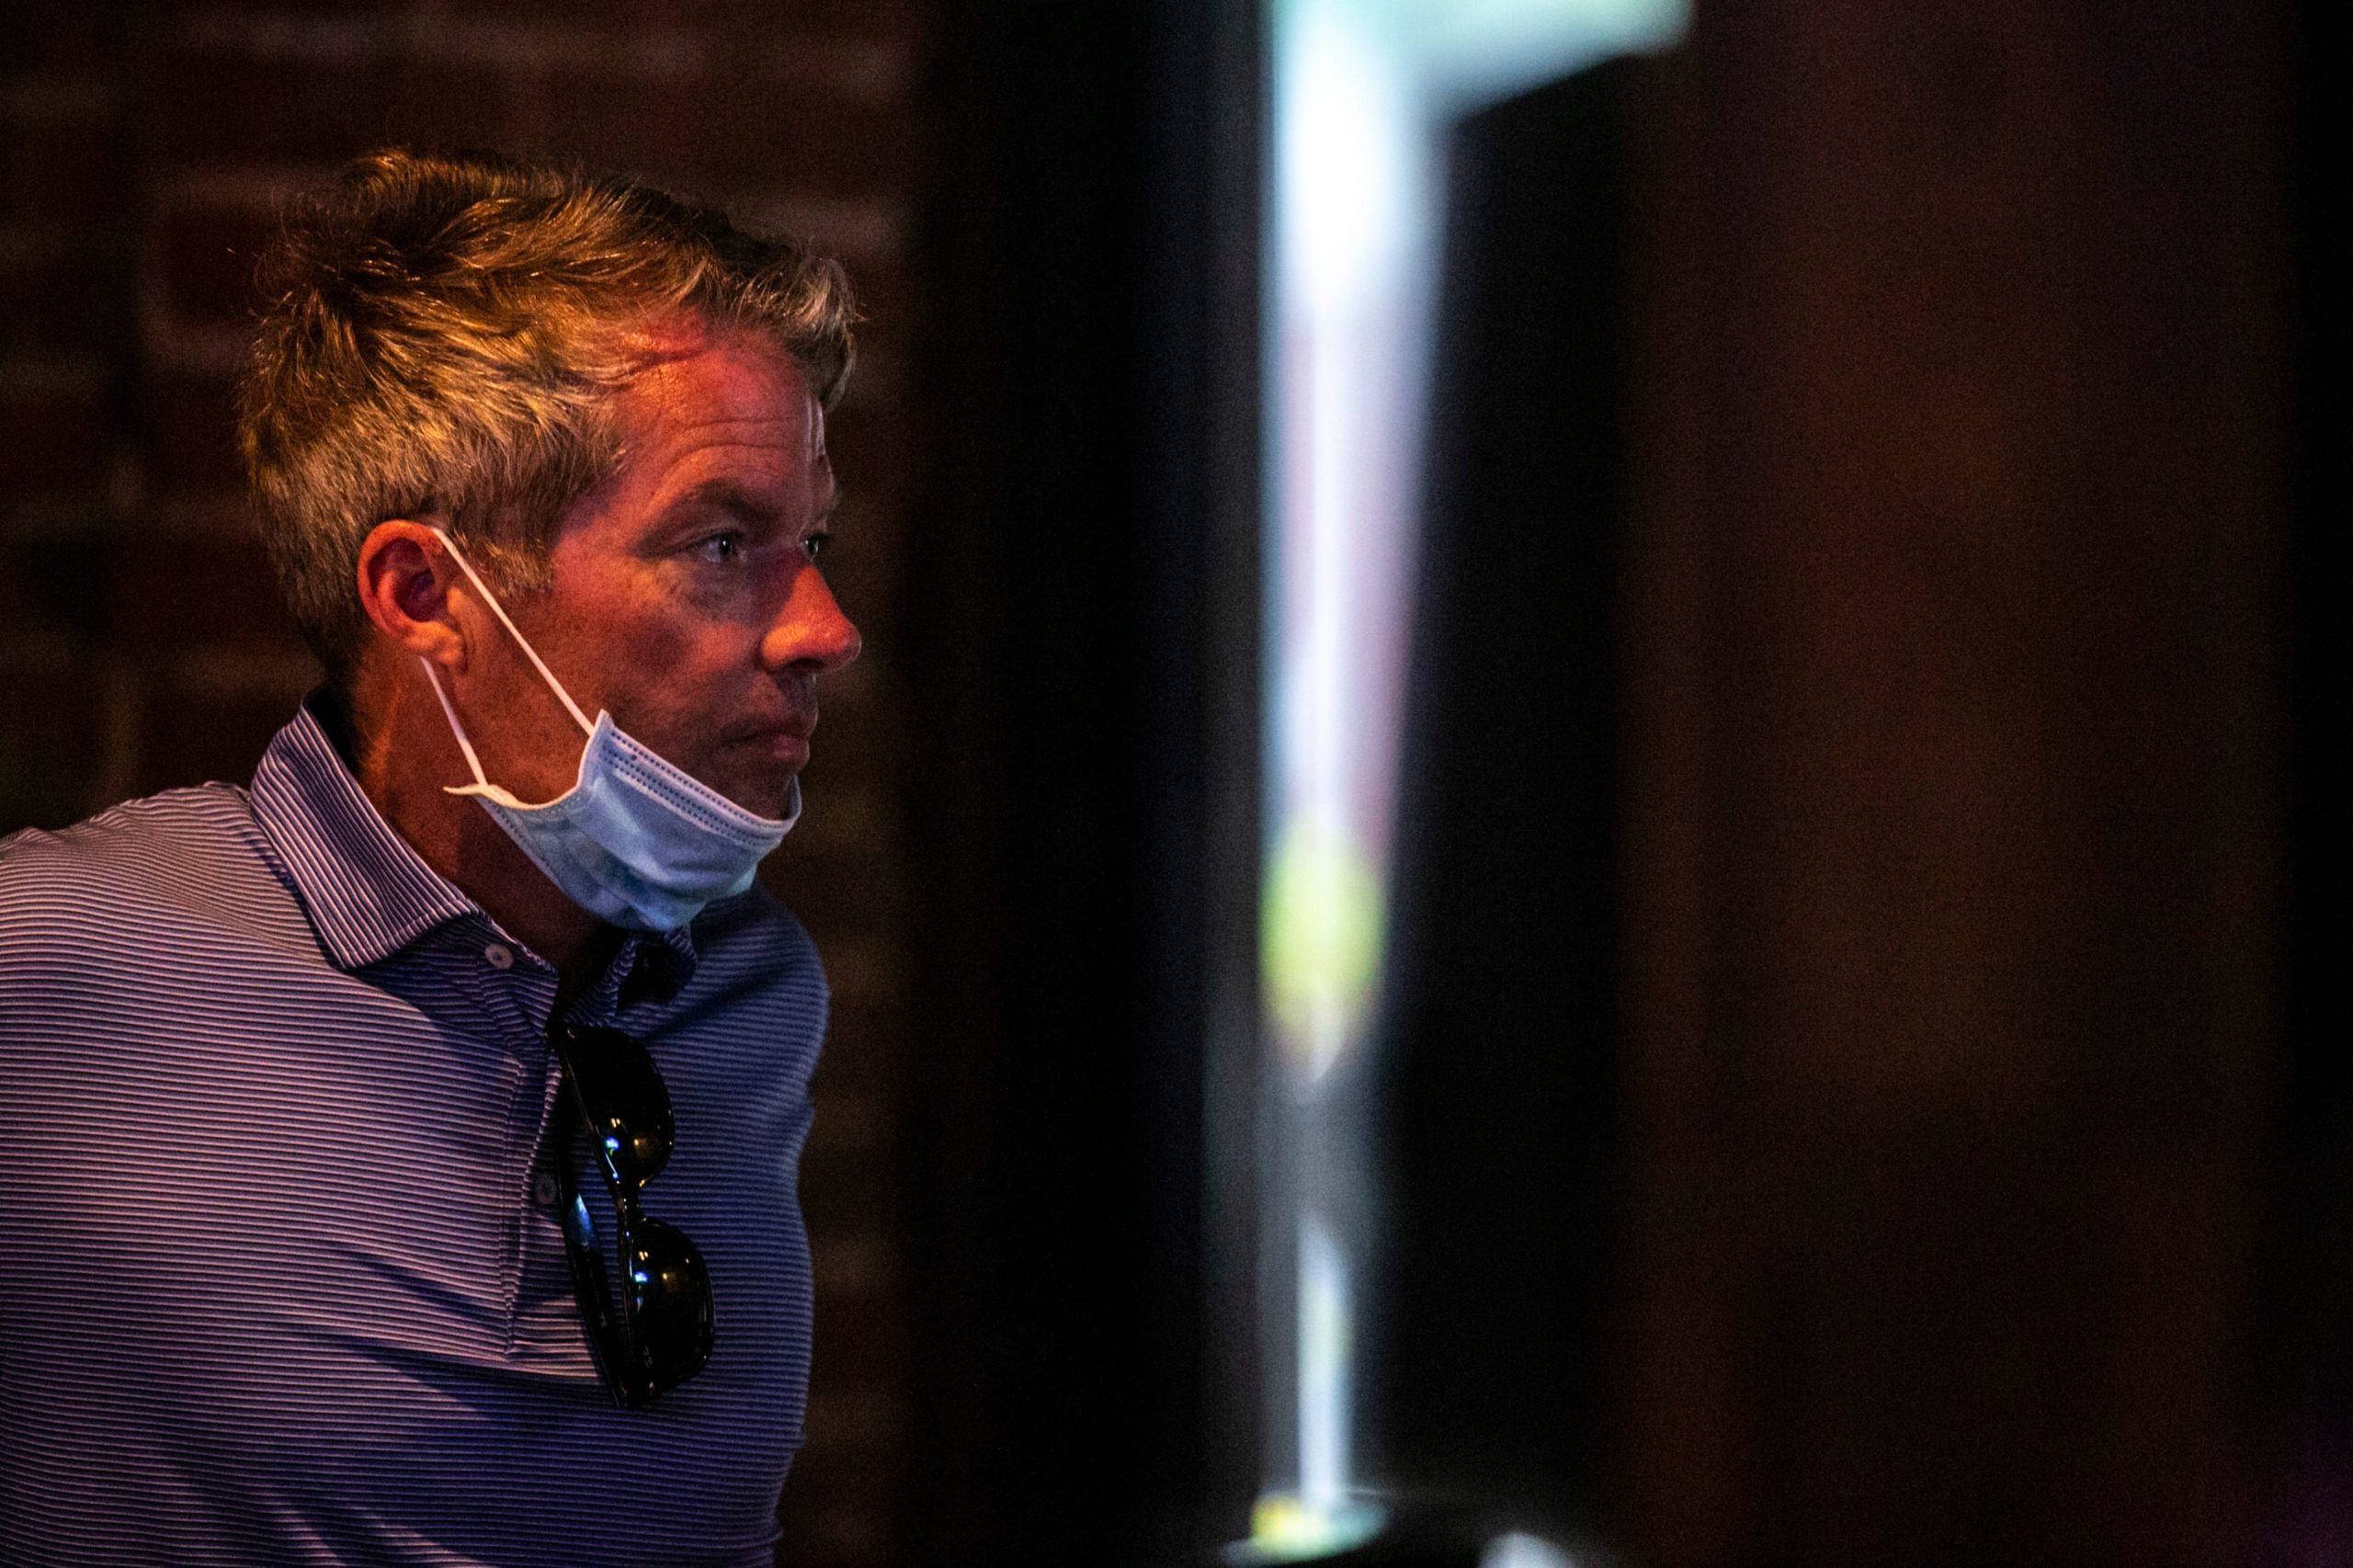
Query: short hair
[(442, 335)]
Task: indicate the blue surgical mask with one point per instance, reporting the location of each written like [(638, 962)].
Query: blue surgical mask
[(637, 840)]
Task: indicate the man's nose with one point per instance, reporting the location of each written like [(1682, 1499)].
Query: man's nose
[(811, 633)]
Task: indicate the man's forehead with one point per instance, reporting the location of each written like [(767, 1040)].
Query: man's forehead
[(733, 395)]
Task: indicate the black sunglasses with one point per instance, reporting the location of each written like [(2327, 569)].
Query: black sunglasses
[(656, 1333)]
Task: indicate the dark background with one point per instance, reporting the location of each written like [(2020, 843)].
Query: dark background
[(1869, 1078)]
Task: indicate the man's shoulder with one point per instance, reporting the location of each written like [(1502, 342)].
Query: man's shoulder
[(185, 855)]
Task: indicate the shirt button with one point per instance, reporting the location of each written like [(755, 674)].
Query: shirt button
[(500, 955), (545, 1190)]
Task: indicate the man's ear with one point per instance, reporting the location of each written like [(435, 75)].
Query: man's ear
[(404, 579)]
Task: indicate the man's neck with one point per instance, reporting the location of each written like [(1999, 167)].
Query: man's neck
[(398, 745)]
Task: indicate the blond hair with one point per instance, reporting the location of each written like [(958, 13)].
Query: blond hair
[(442, 336)]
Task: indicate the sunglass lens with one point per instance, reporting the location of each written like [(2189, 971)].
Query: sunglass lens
[(627, 1107), (669, 1302)]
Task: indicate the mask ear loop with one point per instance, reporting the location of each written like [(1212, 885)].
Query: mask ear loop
[(529, 652), (457, 729)]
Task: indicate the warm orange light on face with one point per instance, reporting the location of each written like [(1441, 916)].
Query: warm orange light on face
[(683, 596), (812, 633)]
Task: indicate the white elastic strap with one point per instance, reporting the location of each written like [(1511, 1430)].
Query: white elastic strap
[(531, 653), (456, 727)]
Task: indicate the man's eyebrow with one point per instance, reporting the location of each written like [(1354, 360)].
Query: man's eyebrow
[(726, 495)]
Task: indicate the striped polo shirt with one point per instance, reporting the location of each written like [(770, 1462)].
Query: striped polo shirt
[(280, 1273)]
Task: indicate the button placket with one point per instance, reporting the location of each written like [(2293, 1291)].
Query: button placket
[(516, 989), (542, 1272), (515, 996)]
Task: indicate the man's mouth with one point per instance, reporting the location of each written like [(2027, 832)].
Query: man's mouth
[(785, 742)]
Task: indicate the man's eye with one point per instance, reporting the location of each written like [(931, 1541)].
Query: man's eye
[(815, 544), (719, 549)]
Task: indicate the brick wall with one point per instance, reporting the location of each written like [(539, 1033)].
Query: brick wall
[(143, 150)]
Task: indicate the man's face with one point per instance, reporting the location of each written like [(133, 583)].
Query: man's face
[(684, 596)]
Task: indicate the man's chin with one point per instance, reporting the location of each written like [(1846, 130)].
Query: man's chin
[(758, 774), (766, 792)]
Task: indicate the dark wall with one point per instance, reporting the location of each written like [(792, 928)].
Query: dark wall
[(2300, 1411), (1081, 634), (1954, 780)]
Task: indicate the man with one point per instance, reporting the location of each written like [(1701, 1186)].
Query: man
[(307, 1260)]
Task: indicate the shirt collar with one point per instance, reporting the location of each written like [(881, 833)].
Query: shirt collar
[(369, 893)]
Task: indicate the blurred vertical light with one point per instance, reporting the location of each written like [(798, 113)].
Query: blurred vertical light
[(1362, 92)]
